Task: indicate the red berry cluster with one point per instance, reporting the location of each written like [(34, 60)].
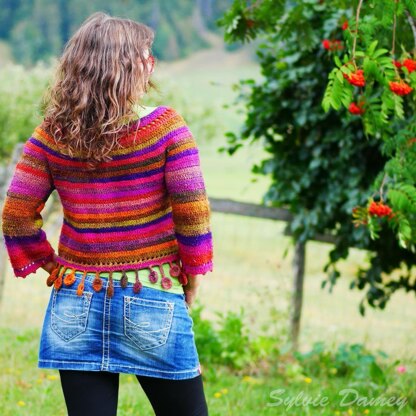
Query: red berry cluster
[(335, 44), (332, 45), (380, 210), (410, 64), (357, 109), (400, 88), (356, 78)]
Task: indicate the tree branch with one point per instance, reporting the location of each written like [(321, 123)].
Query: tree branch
[(357, 18), (412, 24), (393, 43)]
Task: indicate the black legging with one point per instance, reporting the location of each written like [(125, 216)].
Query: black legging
[(95, 393)]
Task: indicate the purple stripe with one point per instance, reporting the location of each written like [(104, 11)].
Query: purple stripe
[(39, 237), (186, 152), (193, 240)]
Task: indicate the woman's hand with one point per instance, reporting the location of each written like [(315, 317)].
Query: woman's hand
[(50, 266), (191, 288)]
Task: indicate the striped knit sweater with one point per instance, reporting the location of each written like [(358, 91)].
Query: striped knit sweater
[(145, 207)]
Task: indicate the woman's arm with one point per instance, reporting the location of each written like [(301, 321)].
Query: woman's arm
[(29, 189), (191, 288), (190, 205)]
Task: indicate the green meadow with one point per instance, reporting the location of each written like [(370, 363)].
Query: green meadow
[(248, 293)]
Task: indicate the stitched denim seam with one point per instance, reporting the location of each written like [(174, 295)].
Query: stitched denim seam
[(123, 365), (130, 328)]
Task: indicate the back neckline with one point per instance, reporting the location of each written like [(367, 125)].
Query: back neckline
[(140, 122)]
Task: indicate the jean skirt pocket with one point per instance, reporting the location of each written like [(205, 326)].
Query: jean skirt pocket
[(69, 313), (147, 322)]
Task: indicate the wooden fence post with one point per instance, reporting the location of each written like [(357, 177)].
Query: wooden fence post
[(297, 294)]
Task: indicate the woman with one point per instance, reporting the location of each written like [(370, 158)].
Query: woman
[(135, 238)]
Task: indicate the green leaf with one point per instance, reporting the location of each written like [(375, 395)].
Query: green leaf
[(379, 52), (339, 76), (411, 6), (337, 61), (372, 48), (398, 106), (334, 90)]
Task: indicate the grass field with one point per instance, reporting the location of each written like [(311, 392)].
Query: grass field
[(250, 272)]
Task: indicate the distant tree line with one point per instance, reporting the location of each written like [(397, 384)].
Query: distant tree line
[(39, 29)]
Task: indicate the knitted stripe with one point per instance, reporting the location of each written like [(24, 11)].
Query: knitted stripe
[(145, 207)]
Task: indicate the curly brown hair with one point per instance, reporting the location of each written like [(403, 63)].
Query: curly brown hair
[(100, 77)]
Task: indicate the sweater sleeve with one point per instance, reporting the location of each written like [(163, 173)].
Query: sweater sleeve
[(190, 205), (31, 184)]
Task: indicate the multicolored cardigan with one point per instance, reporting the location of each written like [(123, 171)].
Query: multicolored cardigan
[(145, 207)]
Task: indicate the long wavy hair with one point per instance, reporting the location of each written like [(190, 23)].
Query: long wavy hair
[(100, 77)]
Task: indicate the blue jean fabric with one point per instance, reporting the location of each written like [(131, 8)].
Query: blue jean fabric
[(149, 333)]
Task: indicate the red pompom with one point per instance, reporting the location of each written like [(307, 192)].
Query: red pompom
[(166, 283), (97, 283)]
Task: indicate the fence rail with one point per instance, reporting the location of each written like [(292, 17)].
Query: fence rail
[(247, 209)]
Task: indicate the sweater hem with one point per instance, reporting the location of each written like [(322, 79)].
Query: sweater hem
[(202, 269), (117, 267), (32, 267)]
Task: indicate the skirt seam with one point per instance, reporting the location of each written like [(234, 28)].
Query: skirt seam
[(119, 365)]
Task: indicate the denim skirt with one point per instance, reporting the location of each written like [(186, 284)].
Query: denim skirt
[(148, 333)]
